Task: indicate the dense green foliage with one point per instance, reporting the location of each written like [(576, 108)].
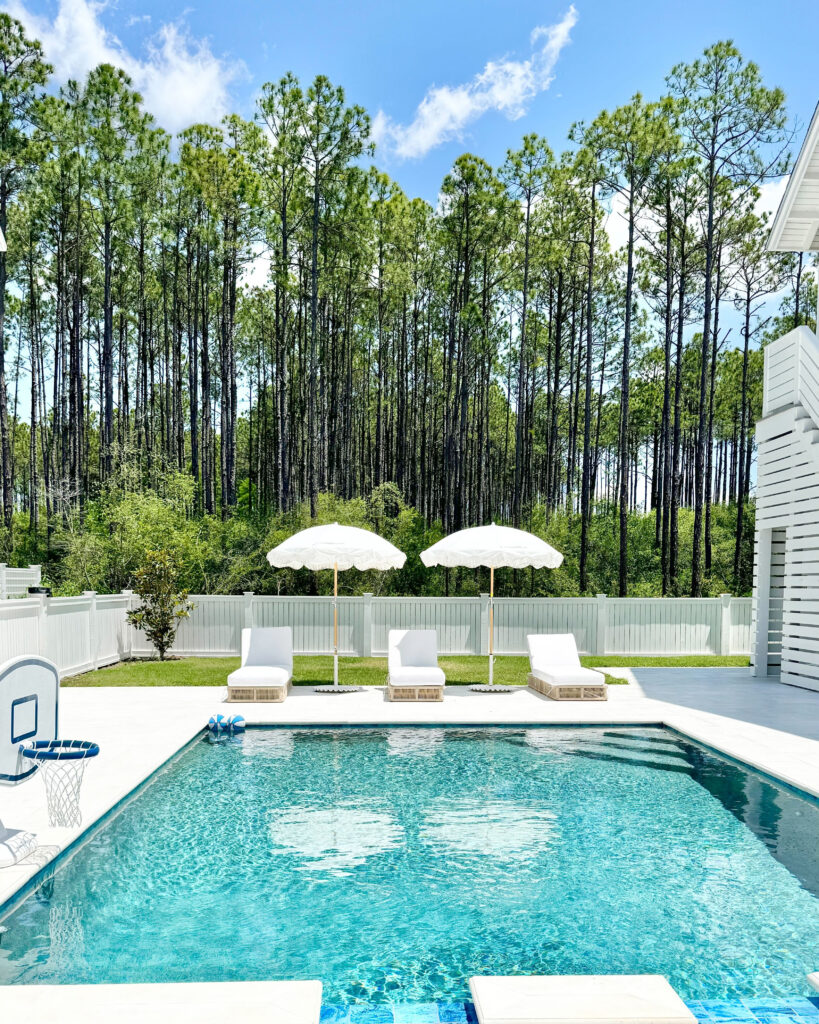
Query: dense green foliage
[(208, 341), (112, 536)]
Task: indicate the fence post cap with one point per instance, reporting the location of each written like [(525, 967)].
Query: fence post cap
[(484, 593), (248, 593), (127, 593), (89, 593), (36, 565), (598, 596)]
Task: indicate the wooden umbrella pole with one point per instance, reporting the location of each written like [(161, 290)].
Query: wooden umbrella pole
[(335, 624), (491, 624)]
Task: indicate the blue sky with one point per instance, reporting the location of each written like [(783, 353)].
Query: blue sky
[(484, 73)]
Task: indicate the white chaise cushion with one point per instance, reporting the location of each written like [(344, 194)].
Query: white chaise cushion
[(15, 845), (549, 650), (259, 675), (412, 648), (417, 676), (268, 645), (570, 676)]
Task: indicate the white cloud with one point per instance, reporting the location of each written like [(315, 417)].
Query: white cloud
[(256, 272), (181, 80), (507, 86), (770, 196), (616, 224)]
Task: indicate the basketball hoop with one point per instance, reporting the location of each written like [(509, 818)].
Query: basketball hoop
[(62, 765)]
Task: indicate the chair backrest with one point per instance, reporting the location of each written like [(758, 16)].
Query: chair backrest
[(268, 645), (550, 649), (412, 648)]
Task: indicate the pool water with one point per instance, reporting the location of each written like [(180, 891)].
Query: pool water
[(393, 864)]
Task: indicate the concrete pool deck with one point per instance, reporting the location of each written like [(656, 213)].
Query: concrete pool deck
[(772, 727)]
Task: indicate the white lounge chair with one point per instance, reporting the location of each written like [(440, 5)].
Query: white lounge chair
[(412, 664), (556, 672), (15, 845), (266, 673)]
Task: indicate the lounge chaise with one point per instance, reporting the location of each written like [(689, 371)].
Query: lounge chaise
[(412, 664), (15, 845), (590, 999), (266, 673), (556, 672)]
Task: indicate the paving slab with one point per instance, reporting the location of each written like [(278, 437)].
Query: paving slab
[(578, 999), (254, 1002)]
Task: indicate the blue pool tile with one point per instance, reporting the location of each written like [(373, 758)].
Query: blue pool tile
[(698, 1009), (371, 1015), (771, 1005), (452, 1013), (803, 1005), (335, 1014), (723, 1012), (415, 1013), (777, 1017)]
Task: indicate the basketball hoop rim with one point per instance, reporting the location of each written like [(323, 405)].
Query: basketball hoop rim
[(60, 750)]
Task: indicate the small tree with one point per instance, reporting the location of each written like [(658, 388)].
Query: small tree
[(163, 606)]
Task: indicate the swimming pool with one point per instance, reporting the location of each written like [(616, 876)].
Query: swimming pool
[(394, 863)]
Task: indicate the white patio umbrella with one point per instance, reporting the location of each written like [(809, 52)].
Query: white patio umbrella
[(494, 547), (338, 548)]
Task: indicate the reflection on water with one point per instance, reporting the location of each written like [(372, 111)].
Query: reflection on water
[(279, 744), (787, 823), (501, 830), (414, 742), (66, 939), (334, 839)]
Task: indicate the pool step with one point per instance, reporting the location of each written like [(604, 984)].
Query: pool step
[(578, 999), (211, 1002)]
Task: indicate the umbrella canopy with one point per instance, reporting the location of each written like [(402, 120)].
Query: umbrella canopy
[(492, 546), (495, 547), (336, 547)]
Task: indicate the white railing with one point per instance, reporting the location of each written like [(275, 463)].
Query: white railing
[(81, 633), (15, 582)]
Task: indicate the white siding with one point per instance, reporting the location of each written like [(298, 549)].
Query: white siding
[(788, 507)]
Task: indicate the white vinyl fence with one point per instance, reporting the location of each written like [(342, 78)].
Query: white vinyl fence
[(80, 633), (15, 582)]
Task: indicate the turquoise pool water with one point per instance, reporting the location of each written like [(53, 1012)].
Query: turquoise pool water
[(393, 864)]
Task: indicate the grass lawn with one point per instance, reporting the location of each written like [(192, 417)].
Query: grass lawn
[(313, 670), (684, 661)]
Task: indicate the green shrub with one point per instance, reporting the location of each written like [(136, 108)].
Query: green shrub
[(163, 606)]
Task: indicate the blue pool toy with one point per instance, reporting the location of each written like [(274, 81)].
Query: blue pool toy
[(221, 723)]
